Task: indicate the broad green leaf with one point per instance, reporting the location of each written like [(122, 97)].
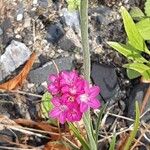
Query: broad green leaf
[(79, 137), (133, 34), (139, 67), (113, 142), (147, 8), (146, 75), (46, 104), (136, 13), (144, 28), (135, 128), (128, 51), (132, 74)]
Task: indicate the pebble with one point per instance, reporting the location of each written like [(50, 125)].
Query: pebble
[(15, 55), (1, 31), (19, 17), (69, 41), (71, 19)]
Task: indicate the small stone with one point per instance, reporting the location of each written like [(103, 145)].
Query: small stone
[(43, 3), (69, 41), (105, 77), (27, 22), (1, 31), (137, 94), (71, 19), (15, 55), (35, 2), (19, 17), (40, 75), (54, 33)]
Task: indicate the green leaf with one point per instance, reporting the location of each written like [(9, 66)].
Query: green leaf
[(135, 128), (128, 51), (46, 104), (146, 75), (144, 28), (136, 13), (79, 137), (100, 115), (132, 74), (73, 4), (113, 142), (147, 8), (139, 67), (133, 34)]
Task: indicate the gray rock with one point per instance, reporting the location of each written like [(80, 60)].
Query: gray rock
[(43, 3), (137, 94), (6, 24), (54, 33), (41, 74), (20, 12), (15, 55), (1, 31), (71, 19), (69, 41), (105, 77)]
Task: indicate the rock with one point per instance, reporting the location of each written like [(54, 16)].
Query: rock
[(40, 75), (6, 24), (137, 94), (1, 31), (71, 19), (105, 77), (20, 12), (54, 33), (103, 15), (69, 41), (43, 3), (19, 17), (15, 55)]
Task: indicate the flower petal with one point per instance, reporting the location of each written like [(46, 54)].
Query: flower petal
[(94, 103), (62, 118), (56, 101), (94, 91), (83, 107), (55, 112)]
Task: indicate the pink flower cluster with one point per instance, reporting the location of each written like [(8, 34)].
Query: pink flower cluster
[(72, 96)]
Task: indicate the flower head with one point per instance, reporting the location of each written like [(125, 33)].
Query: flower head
[(72, 96)]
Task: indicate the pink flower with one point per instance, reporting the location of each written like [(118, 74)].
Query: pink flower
[(88, 98), (72, 96), (59, 111)]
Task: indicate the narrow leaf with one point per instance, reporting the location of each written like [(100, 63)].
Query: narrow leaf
[(135, 128), (113, 142), (100, 115), (128, 51), (139, 67), (79, 137)]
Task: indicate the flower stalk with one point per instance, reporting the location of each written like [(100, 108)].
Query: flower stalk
[(87, 66)]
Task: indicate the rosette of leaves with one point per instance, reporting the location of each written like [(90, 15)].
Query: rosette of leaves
[(143, 19), (133, 49)]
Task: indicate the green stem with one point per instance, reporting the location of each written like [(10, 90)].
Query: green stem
[(87, 67), (85, 41)]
